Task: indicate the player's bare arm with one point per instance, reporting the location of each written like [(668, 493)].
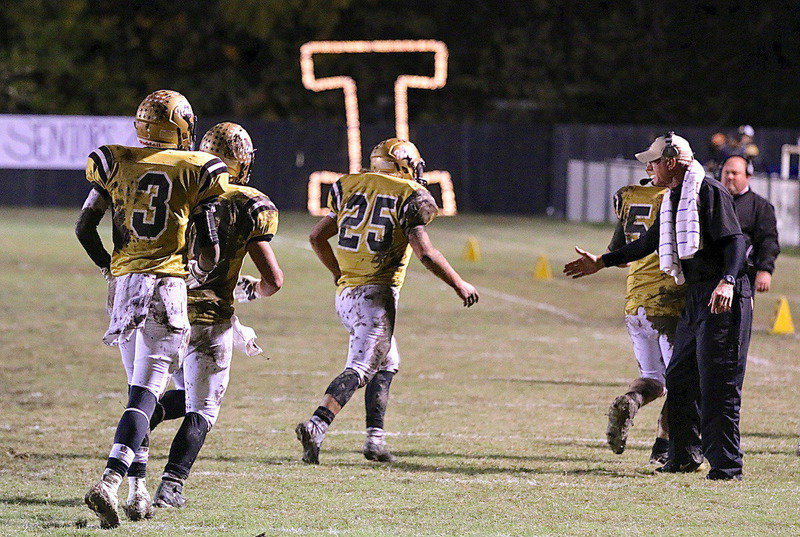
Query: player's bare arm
[(325, 229), (249, 288), (435, 262), (94, 208)]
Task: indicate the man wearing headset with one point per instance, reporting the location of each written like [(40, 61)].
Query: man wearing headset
[(699, 241), (757, 217)]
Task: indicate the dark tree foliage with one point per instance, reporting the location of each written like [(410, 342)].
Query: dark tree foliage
[(682, 62)]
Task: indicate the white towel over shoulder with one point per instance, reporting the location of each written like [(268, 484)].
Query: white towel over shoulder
[(679, 235)]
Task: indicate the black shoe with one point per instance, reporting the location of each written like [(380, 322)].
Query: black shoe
[(672, 467), (659, 454), (169, 494), (716, 475)]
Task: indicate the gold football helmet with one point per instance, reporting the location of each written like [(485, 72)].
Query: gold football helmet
[(398, 156), (165, 120), (233, 145)]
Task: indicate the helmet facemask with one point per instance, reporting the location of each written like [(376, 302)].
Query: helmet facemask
[(399, 157)]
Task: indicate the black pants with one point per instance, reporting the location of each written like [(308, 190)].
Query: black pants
[(704, 379)]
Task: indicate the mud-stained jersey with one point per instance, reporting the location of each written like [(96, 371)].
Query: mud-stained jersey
[(373, 212), (153, 192), (637, 207), (243, 215)]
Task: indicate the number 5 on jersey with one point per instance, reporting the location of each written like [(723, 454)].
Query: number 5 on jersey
[(380, 228)]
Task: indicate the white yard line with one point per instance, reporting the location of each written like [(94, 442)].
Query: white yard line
[(428, 402), (541, 306), (513, 299)]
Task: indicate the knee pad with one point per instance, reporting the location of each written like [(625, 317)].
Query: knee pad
[(209, 414), (344, 386), (142, 399), (172, 405)]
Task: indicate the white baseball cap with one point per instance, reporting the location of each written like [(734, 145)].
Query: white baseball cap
[(656, 149), (747, 130)]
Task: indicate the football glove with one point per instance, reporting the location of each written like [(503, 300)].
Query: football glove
[(247, 289), (197, 276)]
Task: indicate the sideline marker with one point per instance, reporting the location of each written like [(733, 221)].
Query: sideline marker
[(782, 321), (543, 270), (472, 251)]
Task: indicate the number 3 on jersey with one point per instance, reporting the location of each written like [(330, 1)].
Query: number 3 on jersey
[(159, 188), (380, 228)]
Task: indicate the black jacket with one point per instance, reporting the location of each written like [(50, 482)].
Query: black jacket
[(757, 217)]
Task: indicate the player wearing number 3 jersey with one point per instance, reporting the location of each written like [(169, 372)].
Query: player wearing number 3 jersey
[(153, 192), (378, 217)]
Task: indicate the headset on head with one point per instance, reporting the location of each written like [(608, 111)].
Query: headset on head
[(750, 170), (670, 149)]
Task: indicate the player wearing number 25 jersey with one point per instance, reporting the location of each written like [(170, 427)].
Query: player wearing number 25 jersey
[(153, 192), (372, 247), (653, 304), (378, 217)]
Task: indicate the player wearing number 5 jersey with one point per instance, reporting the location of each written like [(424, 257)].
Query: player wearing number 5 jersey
[(378, 218), (153, 192), (653, 304)]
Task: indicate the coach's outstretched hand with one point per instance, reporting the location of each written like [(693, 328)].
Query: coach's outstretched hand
[(583, 266)]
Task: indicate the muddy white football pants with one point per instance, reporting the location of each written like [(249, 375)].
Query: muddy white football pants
[(368, 312), (206, 369), (154, 350), (652, 342)]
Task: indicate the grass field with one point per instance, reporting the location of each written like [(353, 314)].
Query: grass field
[(497, 416)]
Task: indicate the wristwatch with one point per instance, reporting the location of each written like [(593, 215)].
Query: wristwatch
[(729, 279)]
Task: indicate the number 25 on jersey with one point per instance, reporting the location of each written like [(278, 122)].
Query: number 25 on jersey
[(378, 231)]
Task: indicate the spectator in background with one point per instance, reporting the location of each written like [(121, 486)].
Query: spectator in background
[(717, 148), (747, 146), (757, 218)]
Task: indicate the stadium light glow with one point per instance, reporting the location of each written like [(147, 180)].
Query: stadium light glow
[(348, 86)]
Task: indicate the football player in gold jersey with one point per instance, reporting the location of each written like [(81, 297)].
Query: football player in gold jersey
[(378, 218), (153, 192), (246, 220), (653, 304)]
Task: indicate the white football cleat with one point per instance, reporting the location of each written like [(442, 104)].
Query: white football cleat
[(102, 499), (139, 505), (375, 446), (620, 420), (311, 436)]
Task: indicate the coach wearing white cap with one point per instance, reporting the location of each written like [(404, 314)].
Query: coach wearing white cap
[(699, 241)]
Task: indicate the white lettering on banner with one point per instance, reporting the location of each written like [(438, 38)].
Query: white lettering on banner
[(59, 142)]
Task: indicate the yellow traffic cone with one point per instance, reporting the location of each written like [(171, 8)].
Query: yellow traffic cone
[(472, 251), (543, 270), (782, 322)]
